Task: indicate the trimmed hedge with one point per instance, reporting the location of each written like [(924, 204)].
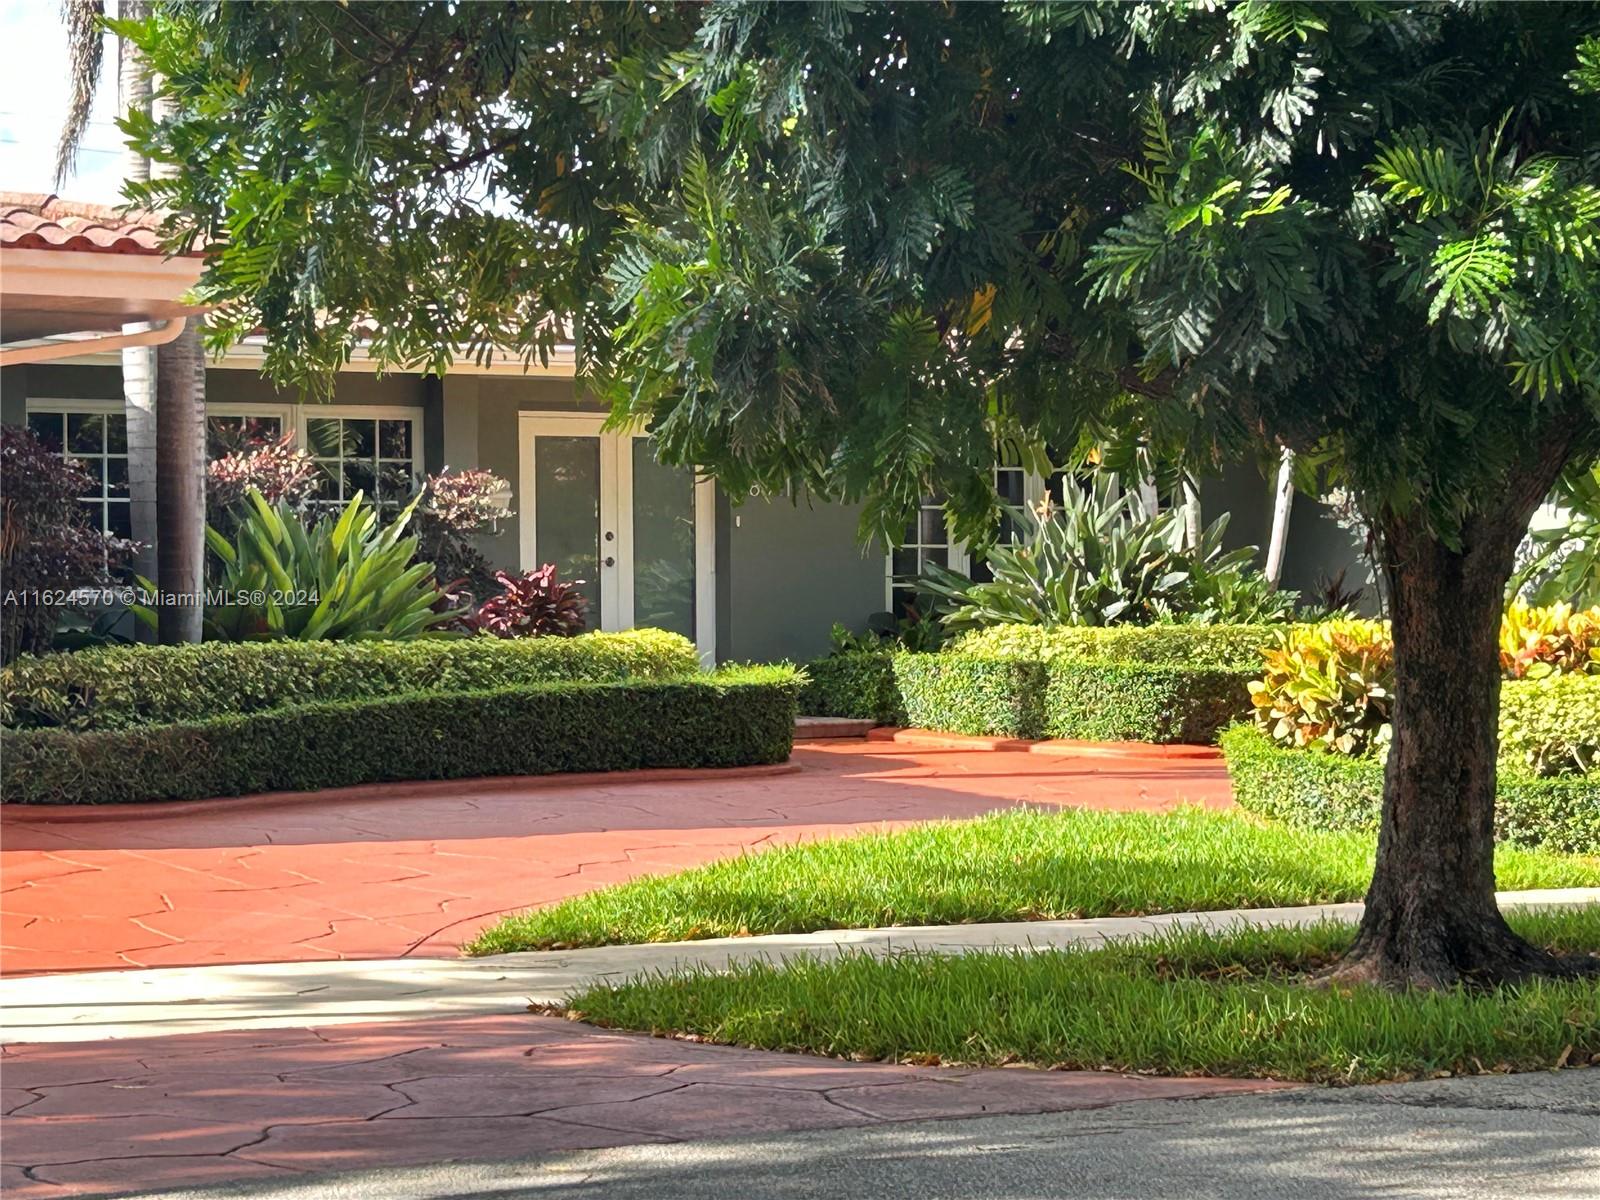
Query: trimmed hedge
[(1551, 726), (963, 693), (124, 687), (1319, 790), (734, 718), (1143, 702), (1065, 683), (1207, 645), (858, 684)]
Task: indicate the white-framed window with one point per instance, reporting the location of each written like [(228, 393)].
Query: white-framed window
[(233, 428), (928, 538), (95, 433), (377, 449), (363, 448)]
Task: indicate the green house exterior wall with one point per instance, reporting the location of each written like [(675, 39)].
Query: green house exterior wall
[(787, 568)]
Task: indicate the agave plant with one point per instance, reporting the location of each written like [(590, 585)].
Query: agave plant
[(343, 577), (1103, 558)]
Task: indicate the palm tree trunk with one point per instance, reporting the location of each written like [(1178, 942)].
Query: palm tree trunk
[(181, 494), (138, 362)]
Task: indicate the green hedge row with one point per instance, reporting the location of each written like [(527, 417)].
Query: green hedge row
[(1187, 645), (859, 684), (733, 718), (1319, 790), (1157, 683), (962, 693), (124, 687), (1070, 698)]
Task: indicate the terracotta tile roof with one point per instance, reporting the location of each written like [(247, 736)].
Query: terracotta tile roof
[(33, 221)]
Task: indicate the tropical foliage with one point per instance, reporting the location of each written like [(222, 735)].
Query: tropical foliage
[(49, 544), (1561, 563), (456, 508), (1103, 558), (532, 604), (345, 576), (1329, 685)]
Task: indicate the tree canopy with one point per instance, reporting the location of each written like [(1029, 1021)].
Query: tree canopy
[(850, 244)]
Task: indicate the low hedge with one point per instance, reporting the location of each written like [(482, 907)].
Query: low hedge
[(1320, 790), (1191, 645), (1551, 726), (1143, 701), (858, 684), (1037, 684), (733, 718), (965, 693), (123, 687)]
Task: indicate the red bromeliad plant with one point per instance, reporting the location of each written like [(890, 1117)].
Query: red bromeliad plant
[(533, 604)]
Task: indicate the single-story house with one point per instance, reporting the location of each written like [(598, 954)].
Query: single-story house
[(749, 578)]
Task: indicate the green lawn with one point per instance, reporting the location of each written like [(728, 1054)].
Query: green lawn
[(1191, 1003), (1018, 864)]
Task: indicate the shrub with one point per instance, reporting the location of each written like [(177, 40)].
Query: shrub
[(454, 509), (1551, 726), (740, 717), (533, 604), (1558, 640), (48, 543), (1143, 702), (1330, 685), (125, 686), (1317, 789), (857, 684), (343, 577), (1209, 645), (282, 474), (1104, 559), (963, 693)]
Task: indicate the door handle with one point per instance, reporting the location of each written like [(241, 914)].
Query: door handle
[(610, 562)]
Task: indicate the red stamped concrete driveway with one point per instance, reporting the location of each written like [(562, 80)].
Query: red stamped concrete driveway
[(203, 1108), (392, 870)]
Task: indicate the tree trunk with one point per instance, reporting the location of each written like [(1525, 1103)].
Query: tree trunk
[(1192, 525), (1282, 505), (1431, 919), (181, 496), (138, 362)]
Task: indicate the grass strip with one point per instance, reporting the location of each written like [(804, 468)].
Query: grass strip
[(1013, 865), (1189, 1003)]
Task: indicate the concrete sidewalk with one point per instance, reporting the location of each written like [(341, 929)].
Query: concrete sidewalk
[(124, 1004)]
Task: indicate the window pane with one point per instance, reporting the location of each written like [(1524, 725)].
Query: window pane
[(323, 435), (86, 433), (328, 489), (566, 491), (96, 510), (360, 477), (116, 433), (120, 518), (663, 543), (394, 439), (117, 476), (47, 428), (95, 469), (932, 527), (905, 562), (939, 558), (360, 438), (394, 483)]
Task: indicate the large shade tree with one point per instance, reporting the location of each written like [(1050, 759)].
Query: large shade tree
[(847, 245)]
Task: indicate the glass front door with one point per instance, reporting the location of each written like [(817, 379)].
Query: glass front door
[(637, 533)]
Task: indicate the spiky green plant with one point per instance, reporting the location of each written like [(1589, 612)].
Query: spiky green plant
[(345, 576)]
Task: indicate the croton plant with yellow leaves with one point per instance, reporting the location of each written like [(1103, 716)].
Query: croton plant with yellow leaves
[(1332, 685)]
